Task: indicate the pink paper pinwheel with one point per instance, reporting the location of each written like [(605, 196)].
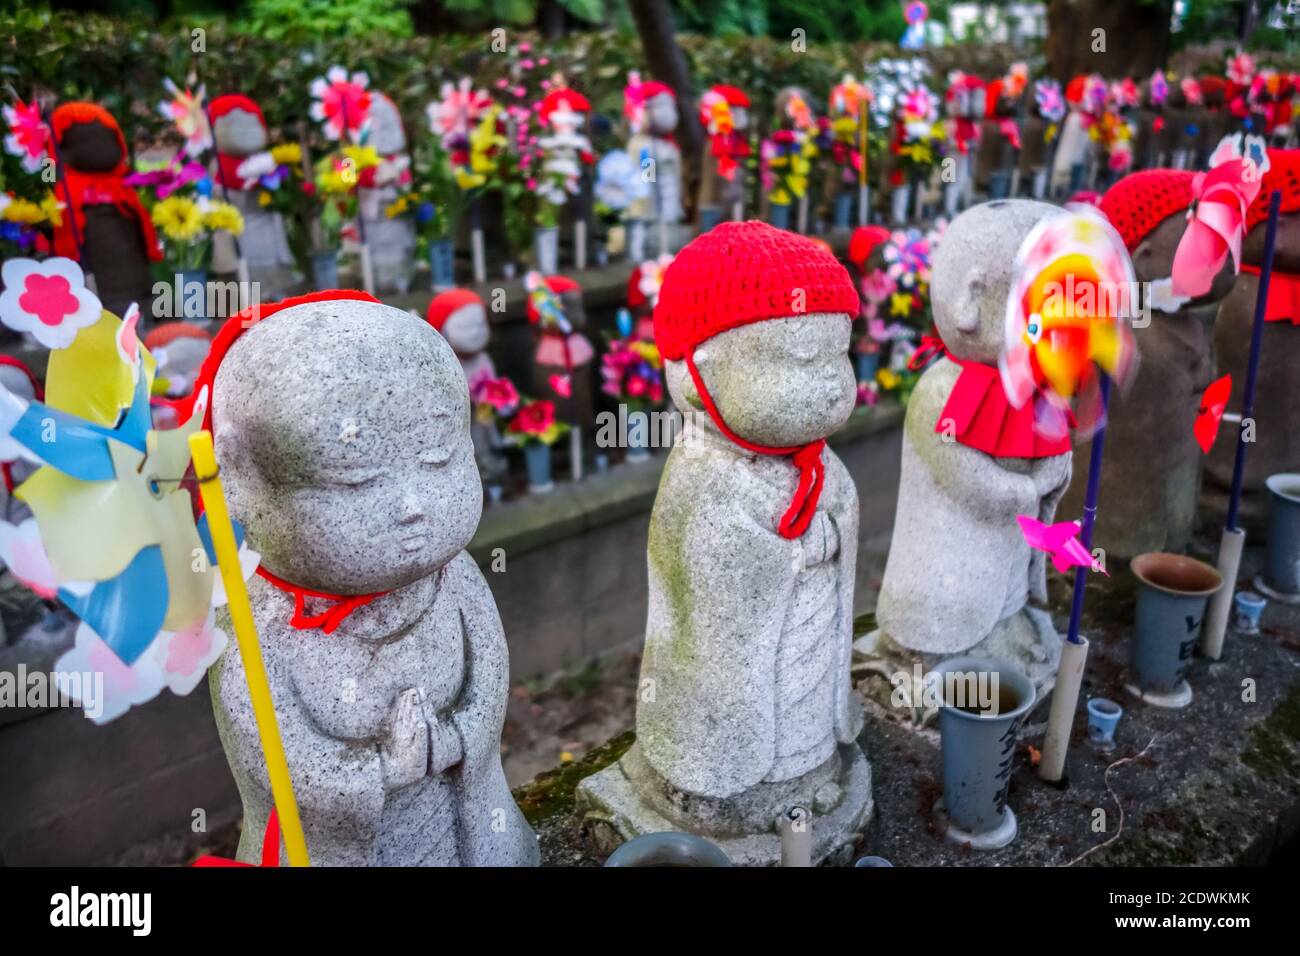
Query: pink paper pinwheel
[(341, 103), (1051, 103), (1061, 541), (1217, 223), (28, 137), (47, 299), (185, 110)]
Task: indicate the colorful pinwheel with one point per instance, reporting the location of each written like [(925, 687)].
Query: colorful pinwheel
[(186, 111), (1216, 225), (29, 136), (1067, 316), (341, 103)]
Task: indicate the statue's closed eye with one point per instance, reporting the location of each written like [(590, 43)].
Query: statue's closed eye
[(435, 456)]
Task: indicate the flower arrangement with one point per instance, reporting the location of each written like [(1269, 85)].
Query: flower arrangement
[(534, 421), (433, 201), (29, 136), (187, 225), (727, 145), (840, 129), (25, 224), (341, 104), (787, 154), (169, 178), (337, 177), (470, 128), (619, 183), (494, 399), (632, 372), (918, 133)]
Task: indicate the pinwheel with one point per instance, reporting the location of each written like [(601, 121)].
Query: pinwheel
[(1067, 337), (1159, 88), (186, 110), (29, 136), (1210, 414), (341, 103), (1061, 542), (1216, 225), (1066, 321)]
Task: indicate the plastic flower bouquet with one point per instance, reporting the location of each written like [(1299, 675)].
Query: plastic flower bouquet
[(187, 226), (534, 422), (632, 372), (495, 400)]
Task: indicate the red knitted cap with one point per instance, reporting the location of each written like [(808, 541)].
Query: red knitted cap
[(732, 94), (169, 332), (1283, 174), (863, 242), (224, 104), (738, 273), (444, 304), (569, 99), (1143, 200)]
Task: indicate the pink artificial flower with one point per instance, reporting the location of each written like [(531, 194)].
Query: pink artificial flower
[(28, 136), (48, 299), (342, 103), (500, 393), (535, 418)]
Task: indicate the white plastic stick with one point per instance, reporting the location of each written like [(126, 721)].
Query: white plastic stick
[(476, 250), (580, 244), (864, 204), (367, 269), (1065, 701), (1216, 621), (575, 453), (796, 837), (803, 214)]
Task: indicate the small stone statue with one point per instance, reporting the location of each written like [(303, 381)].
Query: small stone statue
[(651, 110), (562, 362), (747, 710), (342, 432), (964, 106), (179, 348), (1074, 149), (724, 113), (239, 131), (105, 222), (959, 573), (391, 238), (999, 140), (459, 314), (1150, 472), (1036, 146), (1276, 445)]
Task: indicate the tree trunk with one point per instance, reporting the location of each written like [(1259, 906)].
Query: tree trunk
[(1134, 40), (654, 23), (550, 19)]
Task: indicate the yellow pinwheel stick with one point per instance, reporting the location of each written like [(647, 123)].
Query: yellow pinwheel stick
[(241, 615)]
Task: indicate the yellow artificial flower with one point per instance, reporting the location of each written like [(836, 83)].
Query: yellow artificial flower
[(467, 180), (779, 197), (888, 379), (363, 157), (179, 218), (397, 207), (264, 198), (287, 154), (224, 217), (53, 210), (900, 303), (649, 352), (24, 212)]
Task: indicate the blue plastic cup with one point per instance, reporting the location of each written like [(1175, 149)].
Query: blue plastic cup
[(668, 849), (1250, 606), (1103, 717)]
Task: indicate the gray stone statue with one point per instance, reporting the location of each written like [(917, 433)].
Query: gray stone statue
[(959, 574), (653, 149), (342, 432), (746, 708), (391, 238)]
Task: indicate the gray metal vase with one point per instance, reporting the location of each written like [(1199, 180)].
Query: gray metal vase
[(1173, 591), (979, 746)]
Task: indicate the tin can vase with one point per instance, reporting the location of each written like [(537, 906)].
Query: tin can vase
[(1281, 577), (537, 461), (668, 849), (442, 260)]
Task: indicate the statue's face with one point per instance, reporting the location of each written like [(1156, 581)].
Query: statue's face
[(239, 133), (91, 147), (180, 361), (780, 382), (1153, 259), (662, 113), (971, 275), (466, 329), (386, 133), (14, 381), (342, 430)]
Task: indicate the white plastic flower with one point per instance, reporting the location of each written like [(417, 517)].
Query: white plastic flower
[(23, 553), (48, 299), (184, 656), (101, 682)]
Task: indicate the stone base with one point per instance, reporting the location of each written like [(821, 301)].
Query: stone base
[(613, 811), (1176, 699), (1262, 587), (1027, 638)]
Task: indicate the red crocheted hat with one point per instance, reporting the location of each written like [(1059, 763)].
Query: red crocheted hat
[(736, 274), (1283, 174), (234, 101), (171, 331), (566, 98), (732, 94), (444, 304), (1074, 90), (1143, 200), (863, 242), (743, 272), (635, 297), (237, 325), (559, 285)]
